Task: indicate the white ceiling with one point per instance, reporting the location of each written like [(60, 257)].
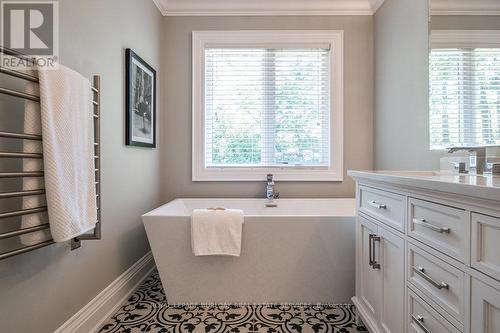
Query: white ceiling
[(465, 7), (267, 7)]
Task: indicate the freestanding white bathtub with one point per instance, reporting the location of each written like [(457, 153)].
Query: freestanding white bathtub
[(301, 251)]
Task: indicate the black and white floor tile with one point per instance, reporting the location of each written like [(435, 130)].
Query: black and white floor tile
[(147, 310)]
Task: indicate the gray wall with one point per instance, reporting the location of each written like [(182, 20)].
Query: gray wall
[(42, 289), (358, 104), (401, 87)]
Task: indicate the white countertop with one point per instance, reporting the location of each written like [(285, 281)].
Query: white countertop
[(479, 186)]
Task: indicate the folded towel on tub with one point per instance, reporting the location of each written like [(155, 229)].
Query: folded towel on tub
[(216, 231)]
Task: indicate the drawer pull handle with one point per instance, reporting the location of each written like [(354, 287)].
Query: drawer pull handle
[(419, 320), (426, 224), (421, 271), (372, 238), (375, 204)]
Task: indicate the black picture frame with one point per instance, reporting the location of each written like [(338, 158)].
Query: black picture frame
[(140, 105)]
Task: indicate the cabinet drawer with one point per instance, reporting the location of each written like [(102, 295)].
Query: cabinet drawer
[(441, 227), (441, 282), (385, 206), (423, 318), (485, 245)]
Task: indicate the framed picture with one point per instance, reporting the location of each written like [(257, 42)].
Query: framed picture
[(140, 102)]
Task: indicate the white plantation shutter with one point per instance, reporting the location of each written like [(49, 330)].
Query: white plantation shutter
[(464, 96), (267, 107)]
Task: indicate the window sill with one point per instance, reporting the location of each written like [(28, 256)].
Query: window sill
[(240, 175)]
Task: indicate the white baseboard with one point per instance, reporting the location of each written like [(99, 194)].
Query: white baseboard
[(93, 315)]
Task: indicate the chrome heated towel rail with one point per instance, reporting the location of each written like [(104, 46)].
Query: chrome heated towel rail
[(75, 243)]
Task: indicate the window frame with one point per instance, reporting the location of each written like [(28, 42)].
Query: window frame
[(268, 38)]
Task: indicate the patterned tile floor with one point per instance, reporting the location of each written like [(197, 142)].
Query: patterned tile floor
[(147, 310)]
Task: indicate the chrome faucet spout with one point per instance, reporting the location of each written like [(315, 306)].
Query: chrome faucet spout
[(270, 195), (480, 151)]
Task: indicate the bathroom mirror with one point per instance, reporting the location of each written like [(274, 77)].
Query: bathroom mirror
[(464, 73)]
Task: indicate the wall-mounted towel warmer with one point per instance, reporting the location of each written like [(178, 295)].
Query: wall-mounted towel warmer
[(75, 243)]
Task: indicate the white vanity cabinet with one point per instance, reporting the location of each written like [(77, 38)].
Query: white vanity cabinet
[(427, 253)]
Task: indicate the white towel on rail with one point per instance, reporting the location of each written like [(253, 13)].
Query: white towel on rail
[(216, 232), (68, 152)]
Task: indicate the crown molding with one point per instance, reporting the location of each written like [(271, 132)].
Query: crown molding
[(269, 13), (160, 5), (267, 7), (465, 7), (375, 5)]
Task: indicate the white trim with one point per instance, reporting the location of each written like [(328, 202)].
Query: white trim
[(464, 38), (271, 13), (465, 7), (160, 6), (266, 7), (465, 12), (93, 315), (376, 4), (335, 171)]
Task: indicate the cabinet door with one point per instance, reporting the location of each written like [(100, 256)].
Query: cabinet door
[(485, 308), (369, 279), (392, 266)]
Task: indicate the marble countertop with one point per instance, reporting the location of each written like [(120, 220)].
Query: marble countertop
[(479, 186)]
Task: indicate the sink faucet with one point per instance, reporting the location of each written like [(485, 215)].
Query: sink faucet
[(270, 194), (477, 161)]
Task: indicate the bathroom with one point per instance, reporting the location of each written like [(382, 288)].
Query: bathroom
[(352, 214)]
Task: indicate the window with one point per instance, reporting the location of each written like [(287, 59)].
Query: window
[(464, 89), (267, 102)]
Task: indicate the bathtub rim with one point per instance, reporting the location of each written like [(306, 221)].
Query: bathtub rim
[(352, 201)]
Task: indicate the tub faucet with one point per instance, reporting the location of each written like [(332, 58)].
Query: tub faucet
[(270, 194)]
